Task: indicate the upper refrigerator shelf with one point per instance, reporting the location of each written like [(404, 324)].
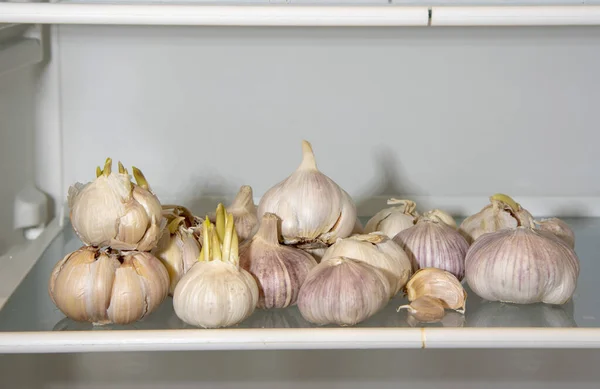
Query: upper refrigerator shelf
[(305, 13)]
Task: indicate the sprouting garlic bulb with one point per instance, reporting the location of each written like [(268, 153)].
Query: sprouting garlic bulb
[(178, 249), (432, 243), (279, 270), (559, 228), (392, 220), (244, 213), (377, 250), (312, 207), (104, 287), (440, 284), (343, 291), (442, 216), (113, 211), (425, 309), (522, 265), (216, 292), (503, 212)]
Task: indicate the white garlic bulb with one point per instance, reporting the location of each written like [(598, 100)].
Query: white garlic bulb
[(343, 291), (377, 250), (559, 228), (178, 249), (279, 270), (311, 206), (503, 212), (440, 284), (112, 211), (442, 216), (522, 265), (216, 292), (244, 213), (432, 243), (104, 287), (392, 220)]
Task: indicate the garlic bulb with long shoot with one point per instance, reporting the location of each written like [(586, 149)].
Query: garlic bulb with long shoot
[(522, 265), (559, 228), (279, 270), (343, 291), (216, 292), (377, 250), (103, 286), (312, 207), (113, 211), (432, 243), (400, 216), (502, 212), (178, 249), (244, 213)]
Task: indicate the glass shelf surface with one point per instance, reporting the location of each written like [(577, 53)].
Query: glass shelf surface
[(29, 308)]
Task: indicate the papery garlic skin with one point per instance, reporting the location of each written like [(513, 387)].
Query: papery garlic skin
[(93, 285), (559, 228), (503, 212), (279, 270), (392, 220), (442, 216), (244, 213), (522, 265), (343, 291), (440, 284), (379, 251), (312, 207), (215, 294), (112, 211), (432, 243)]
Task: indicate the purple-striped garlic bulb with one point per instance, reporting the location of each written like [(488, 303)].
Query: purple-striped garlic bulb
[(377, 250), (559, 228), (522, 265), (432, 243), (343, 291), (279, 270)]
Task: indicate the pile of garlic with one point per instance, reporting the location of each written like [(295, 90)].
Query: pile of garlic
[(113, 278)]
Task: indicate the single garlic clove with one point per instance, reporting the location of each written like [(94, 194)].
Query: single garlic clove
[(431, 243), (279, 270), (392, 220), (102, 275), (425, 309), (439, 284), (522, 265), (502, 212), (312, 207), (151, 272), (343, 291), (377, 250), (128, 301), (442, 216), (559, 228)]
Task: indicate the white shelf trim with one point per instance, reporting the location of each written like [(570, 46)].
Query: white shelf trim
[(210, 15), (587, 15)]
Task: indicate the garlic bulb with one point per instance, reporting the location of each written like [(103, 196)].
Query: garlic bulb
[(558, 228), (343, 291), (522, 265), (216, 292), (177, 248), (377, 250), (426, 309), (503, 212), (316, 252), (112, 211), (440, 284), (312, 207), (244, 213), (442, 216), (432, 243), (279, 270), (394, 219), (104, 287)]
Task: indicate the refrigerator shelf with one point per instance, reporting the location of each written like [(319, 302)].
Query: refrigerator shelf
[(30, 323)]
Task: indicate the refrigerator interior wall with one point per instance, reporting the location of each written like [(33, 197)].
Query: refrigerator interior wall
[(404, 111)]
